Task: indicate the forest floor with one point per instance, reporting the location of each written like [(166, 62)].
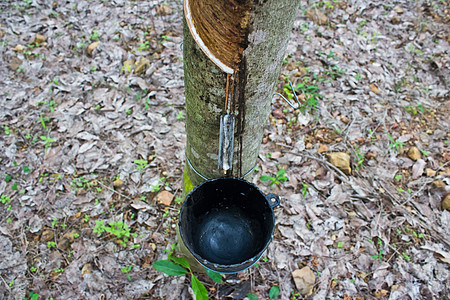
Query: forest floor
[(92, 133)]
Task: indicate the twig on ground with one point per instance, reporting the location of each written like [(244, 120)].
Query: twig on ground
[(113, 190)]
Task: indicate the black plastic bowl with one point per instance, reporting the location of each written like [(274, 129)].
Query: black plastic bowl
[(227, 223)]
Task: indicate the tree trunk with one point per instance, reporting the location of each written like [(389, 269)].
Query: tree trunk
[(250, 38), (262, 44)]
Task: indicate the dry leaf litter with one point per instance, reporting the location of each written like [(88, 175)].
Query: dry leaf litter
[(92, 131)]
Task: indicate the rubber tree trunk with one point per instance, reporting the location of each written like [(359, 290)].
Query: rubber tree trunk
[(263, 39), (251, 38)]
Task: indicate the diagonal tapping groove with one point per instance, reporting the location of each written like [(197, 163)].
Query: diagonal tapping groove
[(219, 29)]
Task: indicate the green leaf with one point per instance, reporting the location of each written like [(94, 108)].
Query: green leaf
[(216, 277), (252, 296), (265, 178), (281, 172), (34, 296), (180, 260), (168, 267), (199, 289), (274, 291), (390, 138)]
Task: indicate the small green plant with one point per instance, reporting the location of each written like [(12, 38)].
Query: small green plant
[(81, 183), (279, 178), (294, 295), (5, 199), (395, 144), (48, 141), (400, 190), (155, 188), (180, 115), (127, 67), (331, 55), (420, 235), (81, 46), (406, 256), (127, 270), (141, 164), (32, 296), (33, 269), (178, 200), (118, 229), (359, 159), (176, 266), (51, 244), (425, 152), (414, 110), (147, 103), (274, 292), (305, 189), (94, 36), (415, 51), (304, 27), (335, 72), (311, 96), (292, 121), (8, 178), (143, 46), (340, 244), (43, 120), (6, 129), (379, 256)]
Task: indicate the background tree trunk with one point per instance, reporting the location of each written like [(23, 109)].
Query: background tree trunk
[(264, 44)]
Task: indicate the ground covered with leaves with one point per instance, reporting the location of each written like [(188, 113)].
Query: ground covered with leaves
[(92, 151)]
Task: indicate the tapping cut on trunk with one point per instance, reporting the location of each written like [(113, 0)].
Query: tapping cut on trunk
[(219, 29)]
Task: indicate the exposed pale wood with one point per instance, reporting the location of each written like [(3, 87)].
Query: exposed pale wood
[(219, 28)]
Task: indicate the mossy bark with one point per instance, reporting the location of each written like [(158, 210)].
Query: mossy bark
[(268, 30)]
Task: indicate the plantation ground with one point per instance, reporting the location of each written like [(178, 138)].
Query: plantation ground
[(92, 131)]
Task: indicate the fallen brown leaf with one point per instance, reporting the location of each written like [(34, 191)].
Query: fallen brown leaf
[(164, 197)]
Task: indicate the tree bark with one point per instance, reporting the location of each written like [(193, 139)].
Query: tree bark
[(263, 44)]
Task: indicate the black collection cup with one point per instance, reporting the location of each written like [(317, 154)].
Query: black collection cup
[(227, 223)]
